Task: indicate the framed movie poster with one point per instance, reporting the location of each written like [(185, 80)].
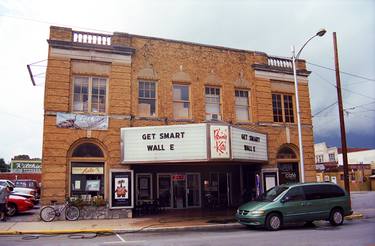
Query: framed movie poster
[(121, 188)]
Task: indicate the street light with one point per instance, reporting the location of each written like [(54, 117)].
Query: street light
[(320, 33)]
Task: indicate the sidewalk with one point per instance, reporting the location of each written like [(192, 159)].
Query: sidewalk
[(159, 223)]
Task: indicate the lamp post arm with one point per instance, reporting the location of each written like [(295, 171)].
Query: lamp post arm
[(303, 46)]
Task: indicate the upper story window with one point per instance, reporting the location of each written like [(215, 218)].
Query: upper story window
[(147, 98), (282, 108), (89, 94), (212, 96), (331, 157), (181, 101), (319, 159), (242, 105)]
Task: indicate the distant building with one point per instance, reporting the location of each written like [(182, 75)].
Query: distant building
[(329, 165)]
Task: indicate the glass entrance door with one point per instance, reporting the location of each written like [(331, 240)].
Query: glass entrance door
[(179, 190), (164, 190), (221, 188), (193, 190)]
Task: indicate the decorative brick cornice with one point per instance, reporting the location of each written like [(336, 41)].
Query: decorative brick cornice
[(120, 50)]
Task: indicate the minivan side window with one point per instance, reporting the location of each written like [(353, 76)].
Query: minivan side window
[(295, 194), (334, 191), (313, 192)]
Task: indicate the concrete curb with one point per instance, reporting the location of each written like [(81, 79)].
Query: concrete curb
[(22, 232), (355, 216), (143, 229)]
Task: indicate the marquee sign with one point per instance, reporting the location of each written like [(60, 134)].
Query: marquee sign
[(248, 145), (220, 147), (164, 143)]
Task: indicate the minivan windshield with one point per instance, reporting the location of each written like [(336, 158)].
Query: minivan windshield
[(272, 193)]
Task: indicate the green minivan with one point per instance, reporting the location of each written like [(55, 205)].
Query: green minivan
[(301, 202)]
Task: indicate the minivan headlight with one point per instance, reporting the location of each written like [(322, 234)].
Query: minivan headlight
[(257, 212)]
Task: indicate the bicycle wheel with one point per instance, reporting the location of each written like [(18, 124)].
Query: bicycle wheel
[(72, 213), (47, 214)]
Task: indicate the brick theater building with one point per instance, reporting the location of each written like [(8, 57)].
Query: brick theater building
[(136, 119)]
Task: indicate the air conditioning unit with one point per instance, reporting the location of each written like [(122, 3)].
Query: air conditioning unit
[(213, 117)]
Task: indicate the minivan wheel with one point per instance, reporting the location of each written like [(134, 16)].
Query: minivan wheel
[(273, 222), (336, 217)]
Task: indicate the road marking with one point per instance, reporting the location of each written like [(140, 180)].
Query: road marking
[(120, 237)]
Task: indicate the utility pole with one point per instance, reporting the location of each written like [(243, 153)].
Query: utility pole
[(341, 114)]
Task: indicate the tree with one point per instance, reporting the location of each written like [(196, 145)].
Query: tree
[(3, 166), (21, 157)]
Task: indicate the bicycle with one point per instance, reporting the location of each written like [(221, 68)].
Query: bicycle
[(49, 213)]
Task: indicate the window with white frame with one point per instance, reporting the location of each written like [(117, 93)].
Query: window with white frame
[(147, 98), (242, 105), (331, 156), (181, 101), (89, 94), (212, 98), (319, 159)]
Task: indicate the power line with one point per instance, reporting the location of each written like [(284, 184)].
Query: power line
[(346, 73), (324, 109), (358, 93), (324, 79), (358, 106)]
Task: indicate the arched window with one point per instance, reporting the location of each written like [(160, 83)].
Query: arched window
[(87, 150), (87, 171), (286, 153)]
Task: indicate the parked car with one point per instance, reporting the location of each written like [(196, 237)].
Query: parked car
[(18, 204), (28, 183), (303, 202), (28, 196), (29, 191)]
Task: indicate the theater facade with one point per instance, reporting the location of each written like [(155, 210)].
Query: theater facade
[(136, 119)]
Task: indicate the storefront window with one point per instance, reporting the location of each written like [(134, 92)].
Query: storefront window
[(87, 179)]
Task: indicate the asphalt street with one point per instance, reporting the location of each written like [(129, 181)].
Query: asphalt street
[(356, 232)]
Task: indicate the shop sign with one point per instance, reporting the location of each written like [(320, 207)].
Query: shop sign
[(164, 143), (248, 145), (121, 195), (178, 177), (80, 121), (87, 170), (219, 142), (26, 166), (288, 173)]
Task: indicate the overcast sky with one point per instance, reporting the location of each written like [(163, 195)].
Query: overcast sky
[(268, 26)]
